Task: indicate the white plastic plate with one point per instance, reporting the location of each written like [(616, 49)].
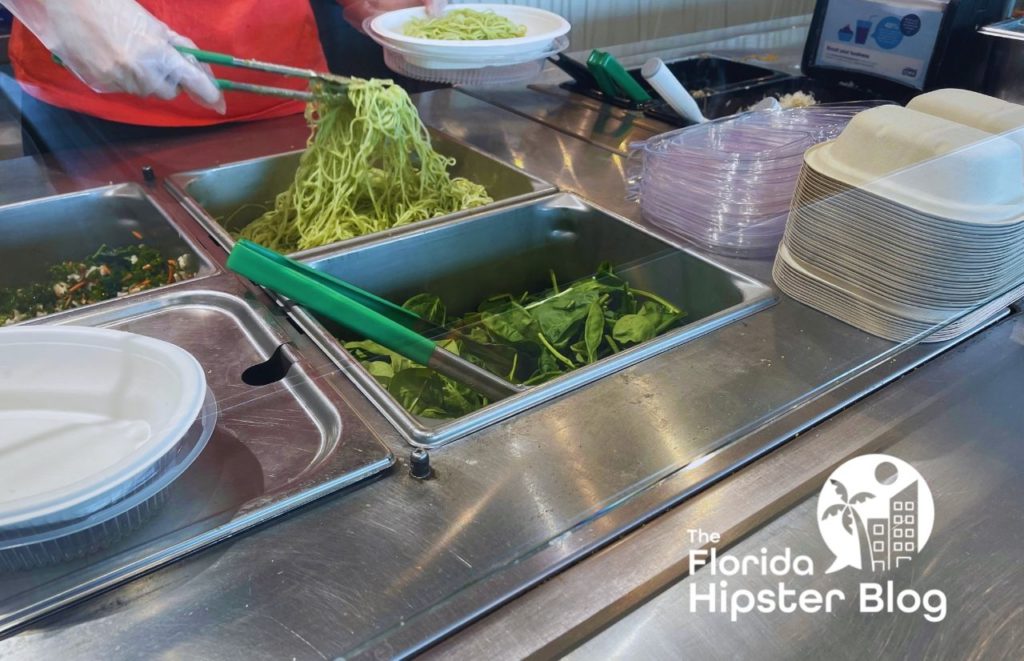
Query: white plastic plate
[(542, 29), (84, 413)]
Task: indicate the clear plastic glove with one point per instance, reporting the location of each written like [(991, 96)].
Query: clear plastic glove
[(435, 8), (117, 46), (357, 11)]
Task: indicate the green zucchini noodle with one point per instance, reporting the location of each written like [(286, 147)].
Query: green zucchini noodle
[(465, 25), (368, 166)]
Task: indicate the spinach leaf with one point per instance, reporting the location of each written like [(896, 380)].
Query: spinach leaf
[(560, 318), (529, 339), (594, 331), (381, 370), (642, 326), (548, 364), (367, 350), (459, 400), (417, 389), (429, 307), (512, 324)]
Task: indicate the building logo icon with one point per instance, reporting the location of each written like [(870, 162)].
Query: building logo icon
[(875, 512)]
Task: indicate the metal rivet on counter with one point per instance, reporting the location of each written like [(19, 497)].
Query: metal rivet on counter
[(148, 174), (419, 464)]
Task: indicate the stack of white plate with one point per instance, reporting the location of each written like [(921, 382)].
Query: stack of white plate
[(907, 223), (96, 425), (494, 61)]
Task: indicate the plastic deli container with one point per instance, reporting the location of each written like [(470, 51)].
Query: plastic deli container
[(98, 423)]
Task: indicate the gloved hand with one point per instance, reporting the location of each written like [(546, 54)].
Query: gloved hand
[(117, 46), (357, 11)]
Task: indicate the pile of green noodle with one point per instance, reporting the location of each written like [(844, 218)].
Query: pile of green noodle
[(465, 25), (369, 166)]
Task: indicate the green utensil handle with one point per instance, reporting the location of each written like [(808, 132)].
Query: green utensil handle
[(314, 295), (604, 82), (209, 57), (381, 306), (231, 85), (206, 56), (621, 78)]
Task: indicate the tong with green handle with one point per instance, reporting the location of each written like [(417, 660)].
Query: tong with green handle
[(613, 79), (375, 318), (331, 82)]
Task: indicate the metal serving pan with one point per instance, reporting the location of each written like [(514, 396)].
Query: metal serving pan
[(512, 250), (285, 439), (46, 231), (213, 194)]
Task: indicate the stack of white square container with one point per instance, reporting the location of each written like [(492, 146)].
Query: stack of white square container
[(910, 220)]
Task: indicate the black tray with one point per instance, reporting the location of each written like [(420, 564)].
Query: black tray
[(702, 75), (727, 103)]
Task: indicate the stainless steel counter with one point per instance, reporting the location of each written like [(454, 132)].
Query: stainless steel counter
[(958, 420), (392, 566)]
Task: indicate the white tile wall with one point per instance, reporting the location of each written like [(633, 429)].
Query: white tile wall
[(602, 23)]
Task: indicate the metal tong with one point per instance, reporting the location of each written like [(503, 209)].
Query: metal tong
[(375, 318), (330, 81), (333, 83)]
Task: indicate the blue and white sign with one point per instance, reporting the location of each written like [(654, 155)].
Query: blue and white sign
[(893, 40)]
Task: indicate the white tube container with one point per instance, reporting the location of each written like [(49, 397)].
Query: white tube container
[(670, 89)]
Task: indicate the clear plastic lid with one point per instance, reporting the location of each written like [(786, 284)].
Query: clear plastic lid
[(727, 184)]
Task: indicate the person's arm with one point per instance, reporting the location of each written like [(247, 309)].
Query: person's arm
[(357, 11), (117, 46)]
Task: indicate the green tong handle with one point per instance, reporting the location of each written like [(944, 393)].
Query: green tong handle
[(381, 306), (223, 59), (380, 320), (231, 85), (292, 280), (604, 82), (619, 78), (208, 57)]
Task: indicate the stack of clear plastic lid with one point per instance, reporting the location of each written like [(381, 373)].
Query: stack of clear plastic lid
[(727, 185)]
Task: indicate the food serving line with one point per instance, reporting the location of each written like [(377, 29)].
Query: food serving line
[(393, 564)]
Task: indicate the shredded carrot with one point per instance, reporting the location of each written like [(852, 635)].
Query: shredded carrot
[(137, 235)]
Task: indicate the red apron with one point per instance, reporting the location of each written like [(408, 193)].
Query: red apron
[(281, 31)]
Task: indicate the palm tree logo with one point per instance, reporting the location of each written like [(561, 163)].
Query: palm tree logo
[(847, 509), (874, 512)]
